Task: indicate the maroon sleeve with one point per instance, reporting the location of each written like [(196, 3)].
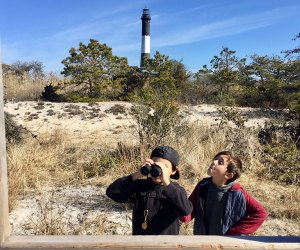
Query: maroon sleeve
[(255, 216), (193, 199)]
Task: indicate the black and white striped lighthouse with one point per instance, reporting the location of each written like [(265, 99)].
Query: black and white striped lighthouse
[(145, 51)]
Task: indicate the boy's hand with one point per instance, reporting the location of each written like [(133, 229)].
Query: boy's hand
[(148, 162), (165, 173), (137, 175)]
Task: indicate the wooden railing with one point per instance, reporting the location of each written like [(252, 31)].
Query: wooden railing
[(149, 242)]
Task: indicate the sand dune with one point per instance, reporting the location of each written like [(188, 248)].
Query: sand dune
[(87, 121)]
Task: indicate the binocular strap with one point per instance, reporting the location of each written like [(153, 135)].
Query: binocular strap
[(146, 211)]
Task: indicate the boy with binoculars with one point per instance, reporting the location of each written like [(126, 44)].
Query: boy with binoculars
[(157, 202)]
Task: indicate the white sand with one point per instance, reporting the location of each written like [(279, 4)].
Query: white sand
[(85, 121)]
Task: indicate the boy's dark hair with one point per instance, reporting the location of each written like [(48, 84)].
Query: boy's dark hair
[(235, 165)]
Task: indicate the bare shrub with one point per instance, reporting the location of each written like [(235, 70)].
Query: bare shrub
[(116, 109), (48, 219)]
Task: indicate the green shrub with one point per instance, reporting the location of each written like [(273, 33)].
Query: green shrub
[(79, 97), (232, 115), (282, 164), (99, 164), (155, 125), (50, 94), (124, 160)]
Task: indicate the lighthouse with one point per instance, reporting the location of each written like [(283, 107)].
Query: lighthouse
[(145, 50)]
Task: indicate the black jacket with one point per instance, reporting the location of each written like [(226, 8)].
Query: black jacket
[(165, 204)]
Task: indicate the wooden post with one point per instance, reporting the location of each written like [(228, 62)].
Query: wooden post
[(4, 221)]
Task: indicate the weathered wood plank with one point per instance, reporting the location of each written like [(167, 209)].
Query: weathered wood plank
[(4, 221), (149, 242)]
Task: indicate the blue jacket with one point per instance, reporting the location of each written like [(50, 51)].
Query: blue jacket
[(242, 213)]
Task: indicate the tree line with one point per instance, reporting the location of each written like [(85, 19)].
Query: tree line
[(92, 72)]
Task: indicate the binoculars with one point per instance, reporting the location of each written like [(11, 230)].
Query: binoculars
[(153, 170)]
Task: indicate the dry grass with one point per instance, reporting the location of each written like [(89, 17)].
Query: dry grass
[(53, 160), (21, 88), (32, 165), (48, 219)]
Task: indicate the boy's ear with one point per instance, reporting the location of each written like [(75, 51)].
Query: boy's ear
[(228, 175), (174, 171)]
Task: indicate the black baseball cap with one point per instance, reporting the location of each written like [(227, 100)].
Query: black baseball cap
[(169, 154)]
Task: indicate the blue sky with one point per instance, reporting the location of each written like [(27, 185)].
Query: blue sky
[(192, 30)]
